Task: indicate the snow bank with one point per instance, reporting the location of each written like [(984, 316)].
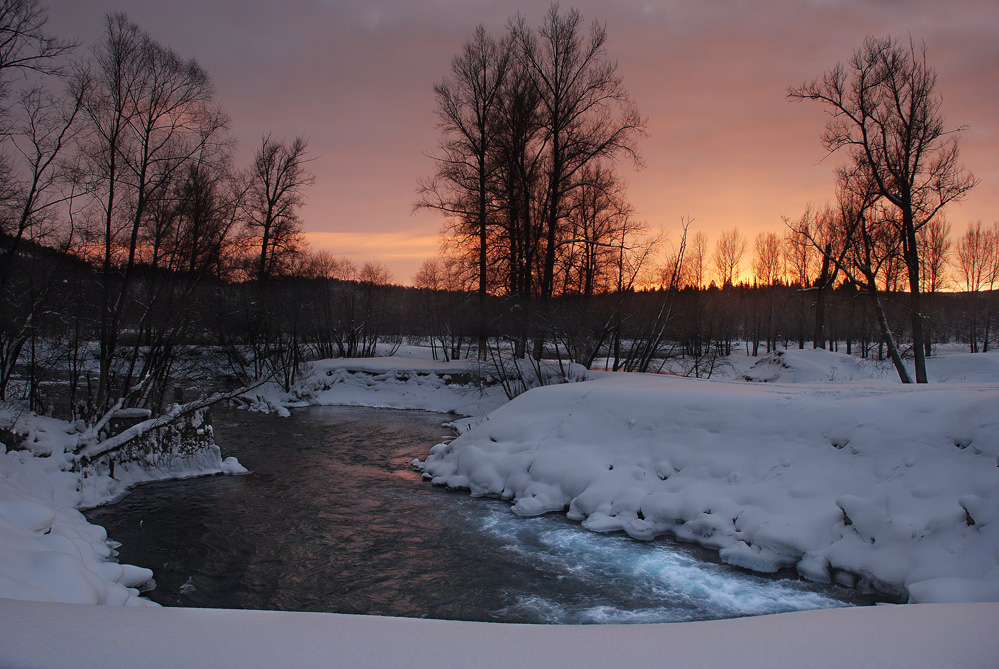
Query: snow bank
[(928, 635), (48, 550), (461, 387), (866, 483)]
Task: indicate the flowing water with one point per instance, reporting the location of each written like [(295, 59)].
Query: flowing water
[(332, 518)]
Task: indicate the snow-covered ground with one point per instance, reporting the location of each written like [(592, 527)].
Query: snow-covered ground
[(37, 634), (808, 459), (411, 379)]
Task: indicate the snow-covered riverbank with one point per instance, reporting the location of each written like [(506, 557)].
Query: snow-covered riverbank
[(408, 380), (48, 550), (868, 483)]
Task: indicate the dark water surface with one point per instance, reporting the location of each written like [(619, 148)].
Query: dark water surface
[(332, 518)]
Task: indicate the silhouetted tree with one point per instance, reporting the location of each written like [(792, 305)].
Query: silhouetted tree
[(468, 106), (977, 264), (585, 115), (768, 271), (886, 115), (25, 45), (148, 113), (729, 249), (276, 190), (933, 240)]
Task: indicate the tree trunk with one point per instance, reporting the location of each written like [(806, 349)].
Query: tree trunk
[(888, 338), (910, 250)]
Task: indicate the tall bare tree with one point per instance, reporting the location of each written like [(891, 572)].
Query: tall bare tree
[(768, 273), (468, 106), (811, 263), (25, 45), (36, 187), (977, 264), (34, 132), (443, 302), (148, 113), (886, 114), (585, 115), (519, 161), (935, 245), (768, 257), (276, 191), (600, 232), (861, 239)]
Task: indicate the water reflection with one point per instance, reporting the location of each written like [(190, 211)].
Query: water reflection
[(333, 519)]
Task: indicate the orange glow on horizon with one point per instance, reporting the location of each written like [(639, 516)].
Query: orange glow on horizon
[(401, 252)]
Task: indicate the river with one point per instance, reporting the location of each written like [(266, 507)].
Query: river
[(333, 518)]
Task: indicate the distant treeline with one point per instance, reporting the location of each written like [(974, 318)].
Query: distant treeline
[(184, 333)]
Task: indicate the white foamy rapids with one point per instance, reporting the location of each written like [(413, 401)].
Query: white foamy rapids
[(633, 582)]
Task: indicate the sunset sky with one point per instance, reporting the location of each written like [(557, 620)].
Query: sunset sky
[(724, 146)]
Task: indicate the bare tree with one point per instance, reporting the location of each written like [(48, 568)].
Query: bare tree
[(886, 115), (977, 264), (270, 339), (768, 256), (595, 255), (812, 245), (768, 273), (697, 259), (934, 244), (468, 104), (585, 114), (861, 239), (445, 290), (148, 114), (646, 345), (527, 121), (799, 254), (519, 192), (39, 139), (325, 266), (24, 43), (34, 134), (729, 249), (276, 191)]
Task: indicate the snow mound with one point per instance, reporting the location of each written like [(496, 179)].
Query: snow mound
[(815, 366), (820, 366), (390, 382), (51, 553), (963, 367), (870, 485)]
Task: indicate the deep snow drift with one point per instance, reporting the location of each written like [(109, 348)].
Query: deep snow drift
[(865, 482)]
